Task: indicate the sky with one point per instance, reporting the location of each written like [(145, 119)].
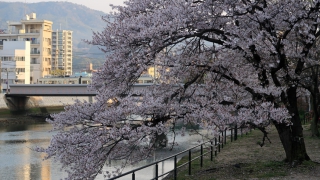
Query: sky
[(101, 5)]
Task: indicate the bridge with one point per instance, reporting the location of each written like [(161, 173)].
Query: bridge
[(23, 90), (18, 97)]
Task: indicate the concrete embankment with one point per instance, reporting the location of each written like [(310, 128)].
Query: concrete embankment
[(38, 109), (46, 101)]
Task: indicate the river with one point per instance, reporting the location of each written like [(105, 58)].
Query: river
[(20, 162)]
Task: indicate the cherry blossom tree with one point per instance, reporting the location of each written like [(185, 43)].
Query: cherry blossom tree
[(310, 82), (218, 63)]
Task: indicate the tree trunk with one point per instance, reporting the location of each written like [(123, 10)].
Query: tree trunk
[(292, 136), (315, 95), (314, 122), (314, 126)]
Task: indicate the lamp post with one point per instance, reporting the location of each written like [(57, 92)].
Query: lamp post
[(7, 81), (1, 77)]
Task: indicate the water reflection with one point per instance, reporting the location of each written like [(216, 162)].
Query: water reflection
[(19, 161), (16, 128)]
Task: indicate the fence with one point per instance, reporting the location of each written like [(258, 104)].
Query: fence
[(214, 147), (307, 117)]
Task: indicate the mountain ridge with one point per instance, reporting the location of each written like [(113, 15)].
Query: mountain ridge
[(69, 16), (65, 15)]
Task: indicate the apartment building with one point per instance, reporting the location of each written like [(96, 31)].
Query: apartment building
[(39, 34), (62, 51), (15, 63)]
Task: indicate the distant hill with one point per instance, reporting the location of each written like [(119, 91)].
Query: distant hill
[(78, 18), (69, 16)]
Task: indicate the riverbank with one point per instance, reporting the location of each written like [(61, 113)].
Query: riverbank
[(39, 107), (245, 159), (47, 101), (32, 115)]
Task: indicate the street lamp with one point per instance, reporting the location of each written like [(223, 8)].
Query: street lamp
[(7, 81)]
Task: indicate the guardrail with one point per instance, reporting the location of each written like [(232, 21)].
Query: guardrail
[(214, 147), (308, 117)]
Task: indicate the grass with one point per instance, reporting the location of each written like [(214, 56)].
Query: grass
[(5, 112), (244, 159)]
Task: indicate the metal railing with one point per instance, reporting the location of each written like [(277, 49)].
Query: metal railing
[(35, 52), (33, 31), (214, 147), (34, 42), (308, 117)]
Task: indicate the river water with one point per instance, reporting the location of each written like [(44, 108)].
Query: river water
[(20, 162)]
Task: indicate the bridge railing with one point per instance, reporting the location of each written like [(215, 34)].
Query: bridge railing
[(59, 89)]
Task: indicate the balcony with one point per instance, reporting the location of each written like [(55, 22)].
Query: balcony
[(33, 31), (35, 42), (35, 62), (35, 52), (14, 32), (22, 31)]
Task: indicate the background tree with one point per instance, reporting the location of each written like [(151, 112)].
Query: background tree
[(310, 82), (220, 62), (58, 72)]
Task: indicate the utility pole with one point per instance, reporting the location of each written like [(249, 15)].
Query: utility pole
[(7, 81), (0, 76)]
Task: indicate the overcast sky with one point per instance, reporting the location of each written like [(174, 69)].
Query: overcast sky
[(102, 5)]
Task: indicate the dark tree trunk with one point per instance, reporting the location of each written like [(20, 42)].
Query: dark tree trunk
[(315, 101), (314, 126), (314, 122), (292, 136)]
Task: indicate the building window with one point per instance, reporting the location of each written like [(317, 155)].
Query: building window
[(7, 70), (19, 58), (6, 58), (16, 58), (34, 61), (19, 70), (20, 81)]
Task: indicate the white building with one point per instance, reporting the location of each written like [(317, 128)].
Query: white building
[(39, 33), (15, 63), (62, 51)]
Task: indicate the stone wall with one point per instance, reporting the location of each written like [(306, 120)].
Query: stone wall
[(3, 104)]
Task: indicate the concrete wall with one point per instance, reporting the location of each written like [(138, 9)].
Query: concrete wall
[(47, 101), (9, 71)]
